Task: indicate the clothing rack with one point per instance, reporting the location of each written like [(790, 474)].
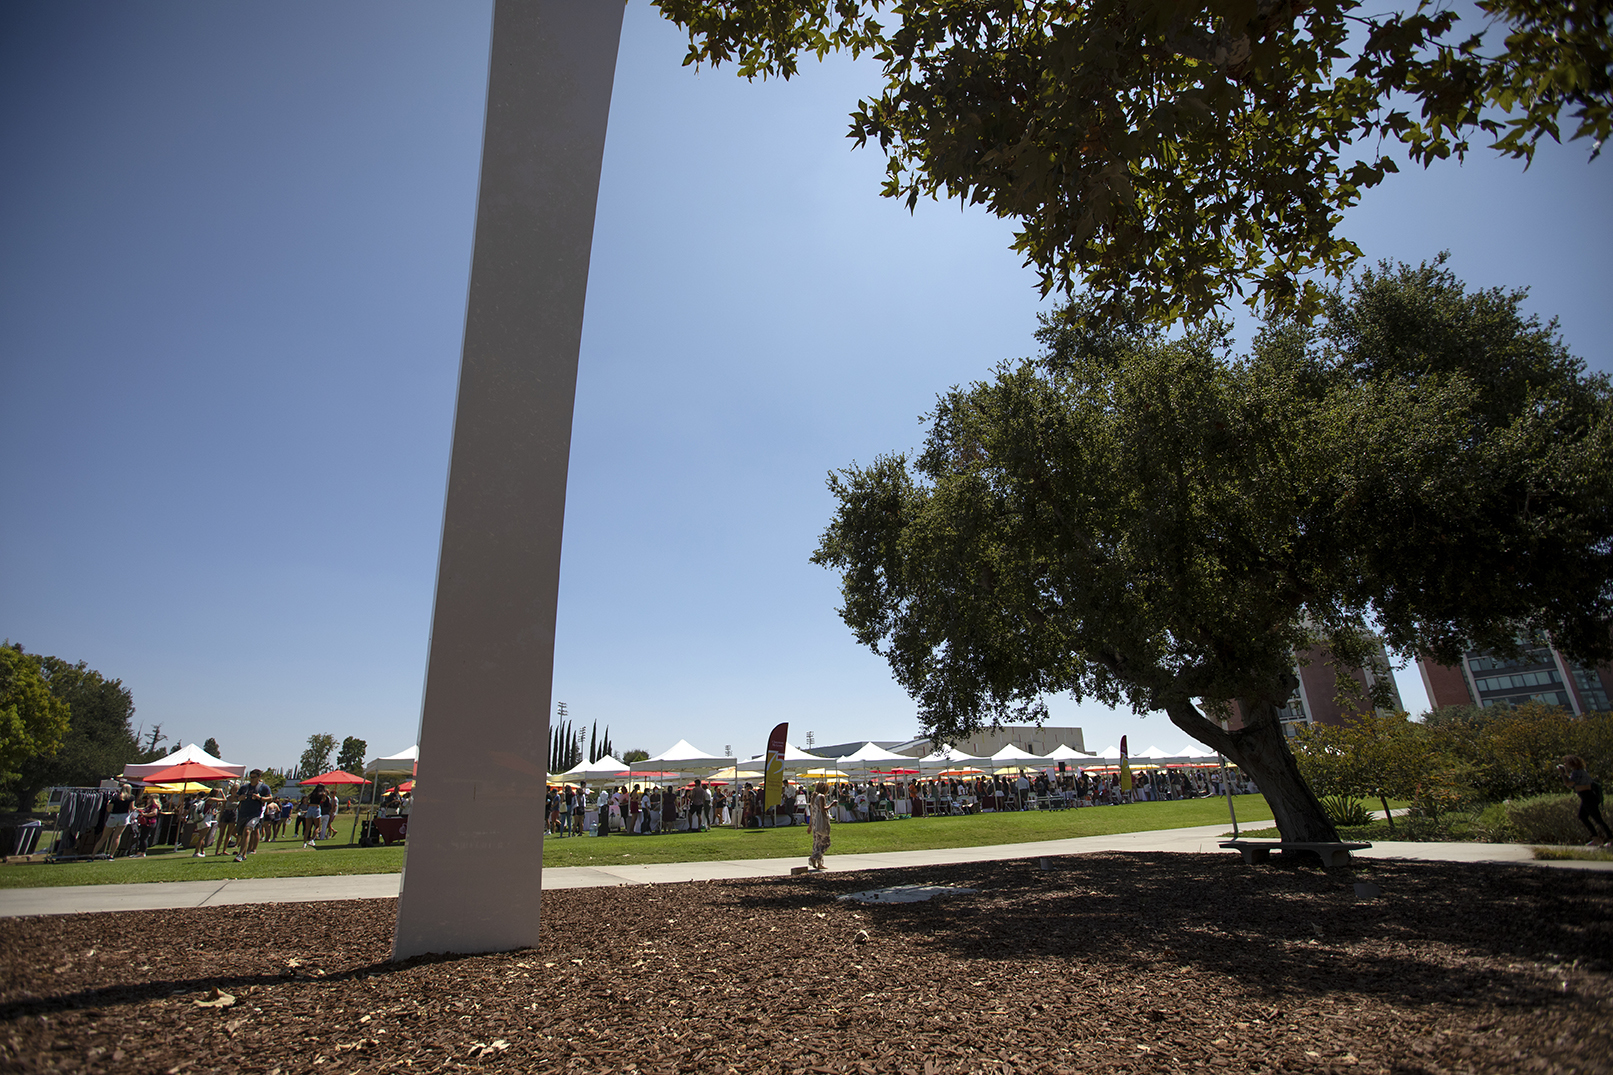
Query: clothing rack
[(79, 810)]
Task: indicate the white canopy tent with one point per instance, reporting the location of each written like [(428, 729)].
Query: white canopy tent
[(795, 759), (948, 757), (1011, 757), (1067, 754), (403, 761), (873, 756), (683, 757), (179, 757), (588, 770)]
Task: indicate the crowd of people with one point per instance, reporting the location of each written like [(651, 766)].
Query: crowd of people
[(642, 809), (234, 818)]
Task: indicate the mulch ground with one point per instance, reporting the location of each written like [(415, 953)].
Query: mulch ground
[(1140, 963)]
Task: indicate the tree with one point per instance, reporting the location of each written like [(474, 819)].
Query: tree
[(316, 759), (631, 756), (33, 720), (1151, 522), (99, 739), (351, 757), (1380, 756), (1163, 154), (212, 747)]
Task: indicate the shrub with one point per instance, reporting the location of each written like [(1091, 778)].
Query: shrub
[(1546, 819), (1343, 810)]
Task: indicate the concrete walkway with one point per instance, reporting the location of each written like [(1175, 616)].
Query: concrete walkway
[(1205, 838)]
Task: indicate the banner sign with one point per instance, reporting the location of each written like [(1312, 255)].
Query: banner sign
[(773, 772), (1125, 767)]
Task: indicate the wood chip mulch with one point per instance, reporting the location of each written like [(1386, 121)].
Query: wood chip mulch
[(1136, 963)]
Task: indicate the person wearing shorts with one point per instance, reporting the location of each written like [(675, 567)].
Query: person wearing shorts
[(249, 813), (226, 821), (312, 811)]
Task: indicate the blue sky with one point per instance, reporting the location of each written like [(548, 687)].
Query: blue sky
[(234, 244)]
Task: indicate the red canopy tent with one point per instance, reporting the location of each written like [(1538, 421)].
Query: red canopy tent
[(187, 770), (335, 777)]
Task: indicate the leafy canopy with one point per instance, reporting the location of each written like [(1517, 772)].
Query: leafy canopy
[(1163, 152), (33, 720), (1151, 521)]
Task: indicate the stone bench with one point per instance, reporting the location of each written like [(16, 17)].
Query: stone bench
[(1332, 853)]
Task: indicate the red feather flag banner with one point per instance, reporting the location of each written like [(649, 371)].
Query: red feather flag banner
[(1125, 767), (773, 771)]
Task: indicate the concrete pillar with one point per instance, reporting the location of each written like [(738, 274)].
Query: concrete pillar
[(475, 854)]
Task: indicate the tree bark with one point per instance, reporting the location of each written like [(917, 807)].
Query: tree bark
[(1261, 750)]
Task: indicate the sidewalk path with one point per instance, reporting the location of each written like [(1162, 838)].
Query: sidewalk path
[(1203, 838)]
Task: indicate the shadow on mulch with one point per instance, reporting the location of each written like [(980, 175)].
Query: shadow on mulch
[(1132, 963), (1217, 914)]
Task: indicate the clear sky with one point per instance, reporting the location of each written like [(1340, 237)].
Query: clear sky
[(234, 245)]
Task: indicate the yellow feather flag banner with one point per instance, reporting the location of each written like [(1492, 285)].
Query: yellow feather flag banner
[(1125, 767), (773, 772)]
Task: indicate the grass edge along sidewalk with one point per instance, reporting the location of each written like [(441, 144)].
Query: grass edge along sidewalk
[(335, 858)]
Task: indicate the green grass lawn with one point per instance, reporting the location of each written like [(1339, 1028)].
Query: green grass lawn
[(288, 858)]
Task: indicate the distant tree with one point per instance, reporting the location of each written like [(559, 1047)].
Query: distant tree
[(593, 743), (275, 778), (1151, 522), (632, 756), (100, 738), (212, 747), (316, 759), (351, 757), (34, 720), (155, 744)]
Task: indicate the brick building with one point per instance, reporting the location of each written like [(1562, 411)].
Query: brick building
[(1314, 701), (1540, 673)]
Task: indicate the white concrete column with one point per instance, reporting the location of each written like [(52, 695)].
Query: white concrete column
[(475, 851)]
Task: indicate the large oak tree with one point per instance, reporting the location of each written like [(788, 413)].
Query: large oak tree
[(1171, 153), (1153, 522)]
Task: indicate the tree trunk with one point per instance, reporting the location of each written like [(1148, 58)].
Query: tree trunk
[(1261, 750)]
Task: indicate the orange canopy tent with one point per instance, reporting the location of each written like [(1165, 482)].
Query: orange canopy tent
[(185, 771)]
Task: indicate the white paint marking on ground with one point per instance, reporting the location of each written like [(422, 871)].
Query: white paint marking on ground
[(907, 893)]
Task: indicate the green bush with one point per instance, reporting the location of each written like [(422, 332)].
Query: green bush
[(1343, 810), (1545, 819)]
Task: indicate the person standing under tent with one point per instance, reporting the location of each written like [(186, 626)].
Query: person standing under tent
[(602, 804), (818, 825), (118, 809)]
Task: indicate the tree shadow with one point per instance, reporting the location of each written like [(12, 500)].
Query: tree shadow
[(1278, 929)]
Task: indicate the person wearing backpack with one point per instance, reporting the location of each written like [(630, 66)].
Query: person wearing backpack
[(1577, 776)]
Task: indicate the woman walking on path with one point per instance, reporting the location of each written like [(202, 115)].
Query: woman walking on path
[(1575, 774), (818, 825)]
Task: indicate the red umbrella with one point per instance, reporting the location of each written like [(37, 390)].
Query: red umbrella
[(335, 776), (406, 787), (187, 770)]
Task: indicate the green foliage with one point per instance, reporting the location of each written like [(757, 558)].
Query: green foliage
[(351, 757), (1545, 819), (1167, 154), (1150, 522), (99, 739), (1346, 811), (631, 756), (33, 720), (275, 778), (1513, 752), (316, 758), (212, 747)]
